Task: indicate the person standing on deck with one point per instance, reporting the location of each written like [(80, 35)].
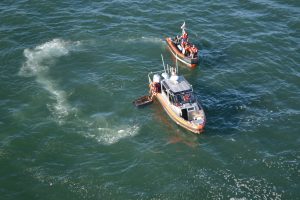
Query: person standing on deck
[(194, 51), (184, 38)]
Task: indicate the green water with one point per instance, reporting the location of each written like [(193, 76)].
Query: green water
[(69, 72)]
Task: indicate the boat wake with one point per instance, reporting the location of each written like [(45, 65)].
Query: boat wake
[(101, 129), (38, 62), (113, 135), (152, 40)]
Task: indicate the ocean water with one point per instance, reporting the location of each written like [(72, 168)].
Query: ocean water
[(70, 70)]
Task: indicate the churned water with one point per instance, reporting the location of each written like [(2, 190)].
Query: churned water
[(69, 71)]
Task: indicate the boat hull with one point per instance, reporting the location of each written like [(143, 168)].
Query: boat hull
[(142, 101), (191, 62), (180, 121)]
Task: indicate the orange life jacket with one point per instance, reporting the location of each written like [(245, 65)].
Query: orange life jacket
[(194, 49), (185, 36), (183, 44)]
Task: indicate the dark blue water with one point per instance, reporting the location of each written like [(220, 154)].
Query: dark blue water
[(69, 72)]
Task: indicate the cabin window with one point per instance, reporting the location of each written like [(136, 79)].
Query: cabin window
[(190, 109), (187, 97), (172, 99), (179, 98)]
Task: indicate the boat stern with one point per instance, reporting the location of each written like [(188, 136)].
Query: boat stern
[(199, 121)]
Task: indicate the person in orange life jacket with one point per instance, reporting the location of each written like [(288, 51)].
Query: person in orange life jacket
[(188, 49), (185, 36), (183, 45), (194, 51), (184, 40)]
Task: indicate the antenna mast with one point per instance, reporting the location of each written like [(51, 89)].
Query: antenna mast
[(162, 58), (176, 65)]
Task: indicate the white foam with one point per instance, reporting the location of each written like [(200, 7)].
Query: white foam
[(235, 186), (36, 57), (144, 39), (61, 108), (152, 40), (38, 61), (112, 135)]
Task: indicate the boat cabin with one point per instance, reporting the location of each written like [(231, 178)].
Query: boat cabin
[(179, 93)]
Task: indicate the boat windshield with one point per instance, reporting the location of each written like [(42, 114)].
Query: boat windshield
[(187, 97)]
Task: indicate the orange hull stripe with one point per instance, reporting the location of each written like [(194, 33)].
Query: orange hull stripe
[(177, 119), (172, 48)]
